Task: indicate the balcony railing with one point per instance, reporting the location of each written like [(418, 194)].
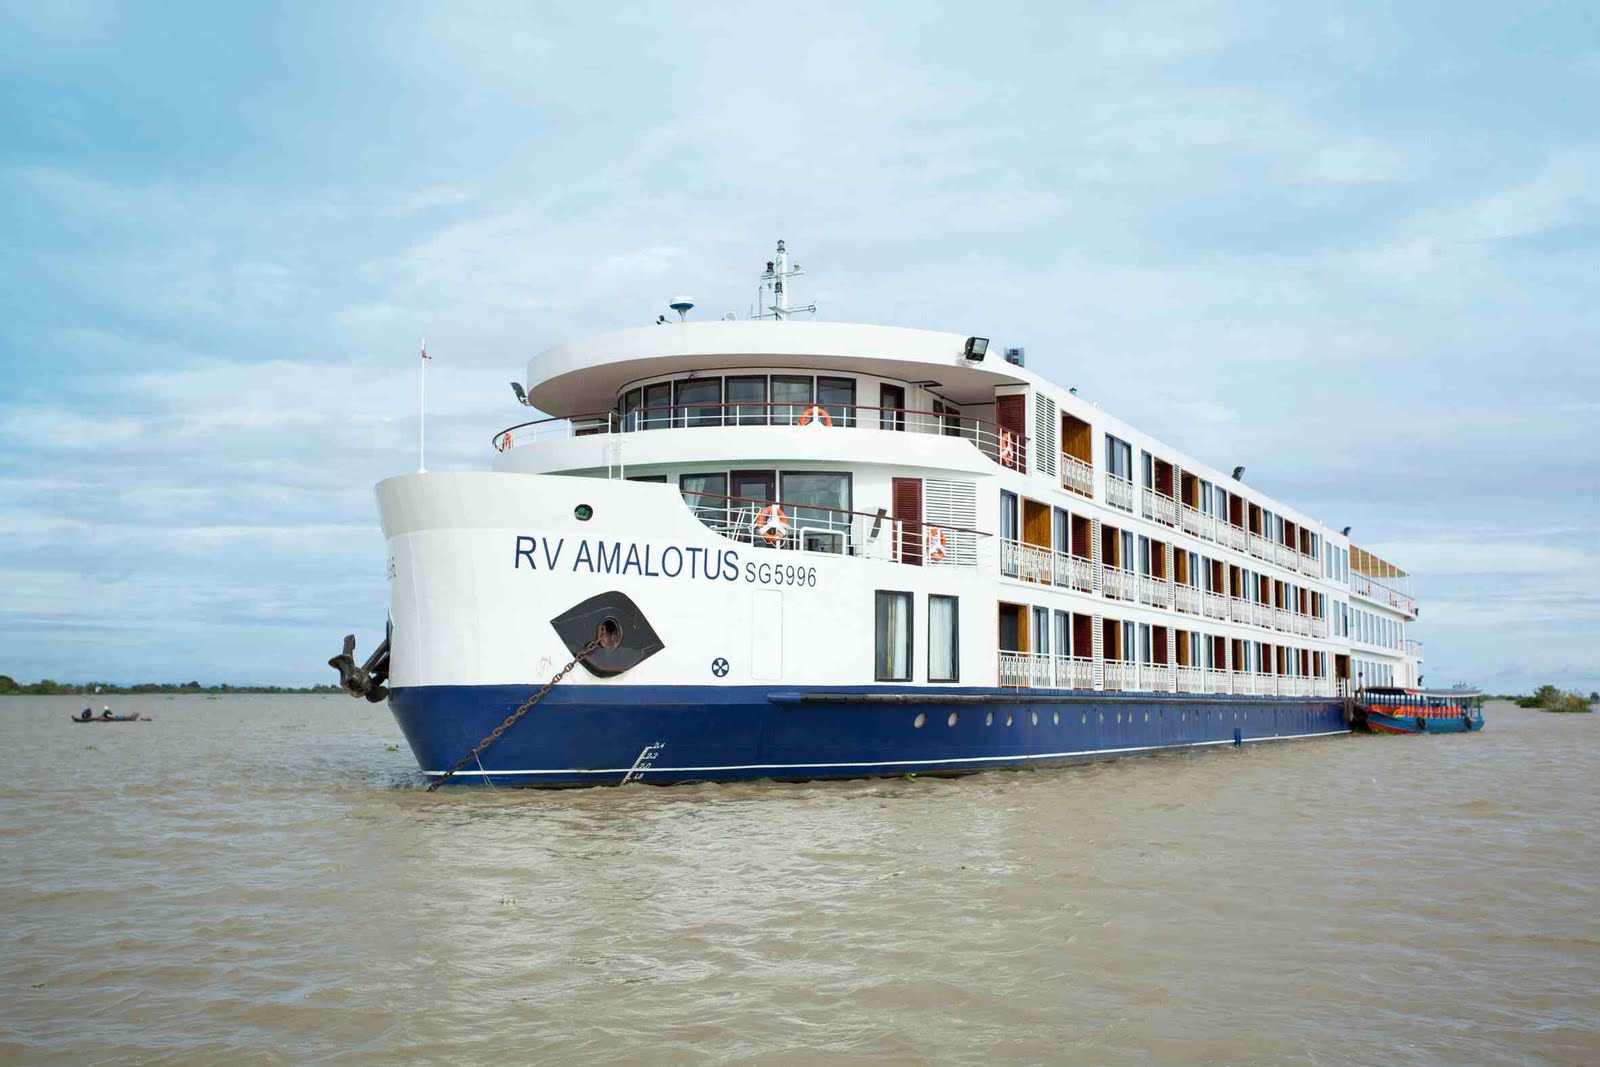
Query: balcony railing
[(1215, 606), (1157, 506), (1117, 583), (1034, 670), (1157, 592), (1186, 598), (1362, 585), (1233, 536), (1119, 492), (1004, 446), (1191, 680), (1074, 572), (799, 527), (1031, 563), (1076, 475), (1238, 609)]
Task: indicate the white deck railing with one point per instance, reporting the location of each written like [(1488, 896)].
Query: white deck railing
[(1117, 583), (1186, 598), (1076, 475), (1035, 670), (1216, 606), (1119, 492), (1074, 572), (1157, 592), (1233, 536)]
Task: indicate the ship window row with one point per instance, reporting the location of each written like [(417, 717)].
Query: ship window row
[(893, 628), (1371, 672), (771, 400), (775, 508), (1377, 630)]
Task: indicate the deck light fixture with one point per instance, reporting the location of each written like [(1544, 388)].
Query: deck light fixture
[(1345, 532), (976, 347), (522, 397), (1238, 473)]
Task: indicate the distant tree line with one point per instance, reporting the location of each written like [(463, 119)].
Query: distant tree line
[(9, 686), (1552, 698)]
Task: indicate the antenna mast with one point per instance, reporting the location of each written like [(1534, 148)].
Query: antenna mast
[(772, 297)]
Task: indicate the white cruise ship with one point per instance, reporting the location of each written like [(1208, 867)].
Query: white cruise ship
[(797, 549)]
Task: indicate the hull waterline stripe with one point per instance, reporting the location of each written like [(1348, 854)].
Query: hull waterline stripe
[(901, 763)]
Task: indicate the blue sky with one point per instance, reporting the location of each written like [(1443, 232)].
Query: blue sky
[(1354, 247)]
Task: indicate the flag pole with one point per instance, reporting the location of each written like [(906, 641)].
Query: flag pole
[(422, 411)]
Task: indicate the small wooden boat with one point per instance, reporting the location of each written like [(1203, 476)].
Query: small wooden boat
[(1393, 710), (105, 716)]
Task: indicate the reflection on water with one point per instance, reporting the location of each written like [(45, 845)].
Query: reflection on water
[(262, 879)]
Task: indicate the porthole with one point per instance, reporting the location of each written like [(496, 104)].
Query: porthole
[(1056, 715), (919, 720), (1147, 716), (583, 513), (1033, 718), (1083, 720), (1119, 718), (1008, 718), (951, 721), (988, 719), (1102, 716)]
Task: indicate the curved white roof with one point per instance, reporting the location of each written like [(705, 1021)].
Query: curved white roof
[(585, 376)]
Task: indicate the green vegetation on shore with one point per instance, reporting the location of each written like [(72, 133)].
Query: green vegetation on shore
[(9, 686), (1551, 698)]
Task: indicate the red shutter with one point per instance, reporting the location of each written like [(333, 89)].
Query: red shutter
[(907, 499), (1012, 414)]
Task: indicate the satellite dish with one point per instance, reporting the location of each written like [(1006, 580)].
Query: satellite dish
[(681, 306)]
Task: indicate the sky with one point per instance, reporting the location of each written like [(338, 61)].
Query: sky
[(1354, 247)]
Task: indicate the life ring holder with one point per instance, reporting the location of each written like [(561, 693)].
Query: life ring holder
[(1008, 447), (816, 413), (772, 524), (936, 549), (504, 444)]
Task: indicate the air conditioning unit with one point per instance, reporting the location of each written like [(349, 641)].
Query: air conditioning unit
[(1016, 355)]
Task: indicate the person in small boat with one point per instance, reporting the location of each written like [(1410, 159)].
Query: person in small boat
[(87, 714), (106, 712)]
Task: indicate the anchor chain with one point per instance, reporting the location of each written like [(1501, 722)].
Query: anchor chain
[(583, 653)]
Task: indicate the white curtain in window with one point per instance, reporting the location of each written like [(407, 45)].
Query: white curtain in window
[(894, 637), (942, 639)]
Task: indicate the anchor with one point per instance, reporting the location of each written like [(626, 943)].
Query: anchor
[(366, 680)]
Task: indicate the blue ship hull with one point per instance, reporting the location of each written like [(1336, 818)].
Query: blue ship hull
[(606, 735)]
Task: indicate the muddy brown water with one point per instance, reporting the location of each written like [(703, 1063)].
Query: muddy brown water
[(263, 880)]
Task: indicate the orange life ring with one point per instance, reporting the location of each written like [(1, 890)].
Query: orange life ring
[(1008, 446), (815, 412), (936, 545), (772, 524), (504, 444)]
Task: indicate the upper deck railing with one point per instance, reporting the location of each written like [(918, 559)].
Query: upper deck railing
[(1362, 585), (797, 527), (1004, 446)]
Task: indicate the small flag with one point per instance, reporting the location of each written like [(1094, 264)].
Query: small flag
[(425, 349)]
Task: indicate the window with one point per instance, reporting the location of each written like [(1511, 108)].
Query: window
[(891, 407), (1063, 630), (817, 500), (706, 496), (944, 639), (1205, 497), (699, 402), (1041, 631), (838, 397), (949, 417), (791, 395), (647, 477), (1144, 556), (657, 410), (892, 661), (1148, 470), (1119, 458), (748, 400), (629, 409)]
